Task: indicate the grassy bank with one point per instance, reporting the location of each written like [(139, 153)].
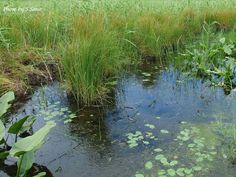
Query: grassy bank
[(93, 41)]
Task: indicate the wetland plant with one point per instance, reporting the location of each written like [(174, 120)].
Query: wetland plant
[(87, 63), (212, 57), (94, 40), (22, 149), (190, 154)]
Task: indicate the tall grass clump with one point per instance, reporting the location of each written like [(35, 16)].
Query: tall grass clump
[(87, 63)]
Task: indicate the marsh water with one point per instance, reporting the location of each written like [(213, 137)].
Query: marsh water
[(155, 111)]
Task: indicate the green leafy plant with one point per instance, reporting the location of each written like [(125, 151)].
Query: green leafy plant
[(213, 58), (23, 149)]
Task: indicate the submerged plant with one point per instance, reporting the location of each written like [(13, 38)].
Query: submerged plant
[(23, 149)]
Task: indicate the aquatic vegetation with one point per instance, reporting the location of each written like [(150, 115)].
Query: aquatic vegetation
[(23, 149), (87, 63), (87, 45), (151, 126), (89, 55), (52, 111), (146, 74), (212, 57), (194, 155), (4, 101), (164, 131), (134, 138), (148, 165), (157, 117), (227, 135)]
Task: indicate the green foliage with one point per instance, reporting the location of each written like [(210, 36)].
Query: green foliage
[(212, 57), (17, 126), (227, 132), (25, 148), (31, 143), (89, 61), (24, 163), (93, 40), (4, 42), (4, 102), (139, 175), (150, 126), (27, 124), (164, 131), (50, 112), (2, 130), (148, 165), (191, 153), (134, 138), (42, 174)]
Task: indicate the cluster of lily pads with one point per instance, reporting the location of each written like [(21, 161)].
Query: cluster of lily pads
[(54, 110), (136, 138), (191, 155)]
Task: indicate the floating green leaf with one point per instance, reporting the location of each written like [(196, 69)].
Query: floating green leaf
[(180, 171), (188, 171), (161, 172), (157, 117), (158, 150), (173, 163), (197, 168), (139, 175), (150, 126), (159, 157), (148, 165), (191, 145), (146, 142), (164, 131), (164, 161), (171, 172)]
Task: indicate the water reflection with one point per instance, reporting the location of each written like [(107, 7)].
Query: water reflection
[(95, 145)]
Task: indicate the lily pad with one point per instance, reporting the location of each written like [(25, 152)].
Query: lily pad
[(148, 165), (164, 131), (171, 172)]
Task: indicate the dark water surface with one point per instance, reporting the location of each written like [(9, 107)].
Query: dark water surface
[(95, 143)]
